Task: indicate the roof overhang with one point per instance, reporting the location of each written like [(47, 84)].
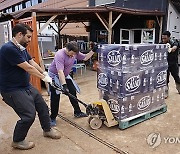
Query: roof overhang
[(76, 14)]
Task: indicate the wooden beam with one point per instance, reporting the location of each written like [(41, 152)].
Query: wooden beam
[(102, 21), (53, 28), (46, 24), (84, 24), (110, 28), (62, 26), (116, 19), (33, 14), (158, 21), (59, 35), (160, 30)]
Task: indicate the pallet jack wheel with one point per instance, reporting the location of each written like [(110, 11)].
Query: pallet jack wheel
[(95, 123), (89, 119)]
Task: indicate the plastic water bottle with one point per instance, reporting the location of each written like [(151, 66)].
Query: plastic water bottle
[(152, 100), (122, 109), (160, 56), (112, 72), (151, 80), (111, 84), (124, 62), (132, 59), (162, 95), (158, 98), (117, 84), (144, 82), (130, 107)]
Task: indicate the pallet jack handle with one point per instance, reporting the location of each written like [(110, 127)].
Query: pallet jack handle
[(57, 87)]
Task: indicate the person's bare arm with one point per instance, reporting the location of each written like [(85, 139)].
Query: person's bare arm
[(88, 55), (31, 69), (94, 48), (33, 63), (61, 77)]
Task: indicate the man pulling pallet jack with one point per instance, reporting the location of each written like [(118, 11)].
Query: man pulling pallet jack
[(98, 112)]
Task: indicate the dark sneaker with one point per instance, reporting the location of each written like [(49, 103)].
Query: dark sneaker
[(54, 134), (23, 145), (79, 115), (178, 87), (53, 122)]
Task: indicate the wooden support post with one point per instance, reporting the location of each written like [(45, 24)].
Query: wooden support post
[(34, 47), (110, 28), (37, 49), (108, 25), (160, 29), (59, 35)]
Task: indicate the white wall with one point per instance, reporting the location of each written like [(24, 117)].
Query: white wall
[(173, 22)]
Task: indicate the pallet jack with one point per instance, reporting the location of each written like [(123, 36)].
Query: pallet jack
[(98, 112)]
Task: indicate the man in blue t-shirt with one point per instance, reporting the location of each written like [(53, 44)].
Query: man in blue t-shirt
[(16, 66), (172, 59)]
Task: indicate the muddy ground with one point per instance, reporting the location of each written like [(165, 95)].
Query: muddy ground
[(132, 140)]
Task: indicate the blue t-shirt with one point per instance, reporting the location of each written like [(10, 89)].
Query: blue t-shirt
[(12, 77)]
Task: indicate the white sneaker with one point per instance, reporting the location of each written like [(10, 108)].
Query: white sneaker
[(23, 145)]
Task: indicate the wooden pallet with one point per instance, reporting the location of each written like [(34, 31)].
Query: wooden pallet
[(126, 123)]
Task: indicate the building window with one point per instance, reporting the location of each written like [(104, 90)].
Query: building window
[(103, 2), (34, 2), (13, 8), (28, 4), (10, 10), (16, 7), (7, 10), (124, 36), (102, 36), (20, 7), (23, 5)]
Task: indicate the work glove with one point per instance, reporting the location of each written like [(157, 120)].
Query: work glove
[(45, 73), (169, 47), (170, 50), (65, 89), (47, 79), (93, 46)]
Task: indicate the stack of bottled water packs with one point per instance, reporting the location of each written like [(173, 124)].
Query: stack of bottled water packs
[(132, 77)]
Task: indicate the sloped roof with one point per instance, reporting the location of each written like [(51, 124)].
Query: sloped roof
[(76, 14)]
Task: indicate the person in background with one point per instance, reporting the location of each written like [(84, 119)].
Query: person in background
[(59, 71), (16, 66), (172, 59)]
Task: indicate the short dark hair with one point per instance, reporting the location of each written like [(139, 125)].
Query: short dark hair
[(166, 33), (20, 27), (72, 45)]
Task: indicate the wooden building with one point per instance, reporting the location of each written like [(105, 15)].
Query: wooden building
[(138, 28), (74, 29)]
